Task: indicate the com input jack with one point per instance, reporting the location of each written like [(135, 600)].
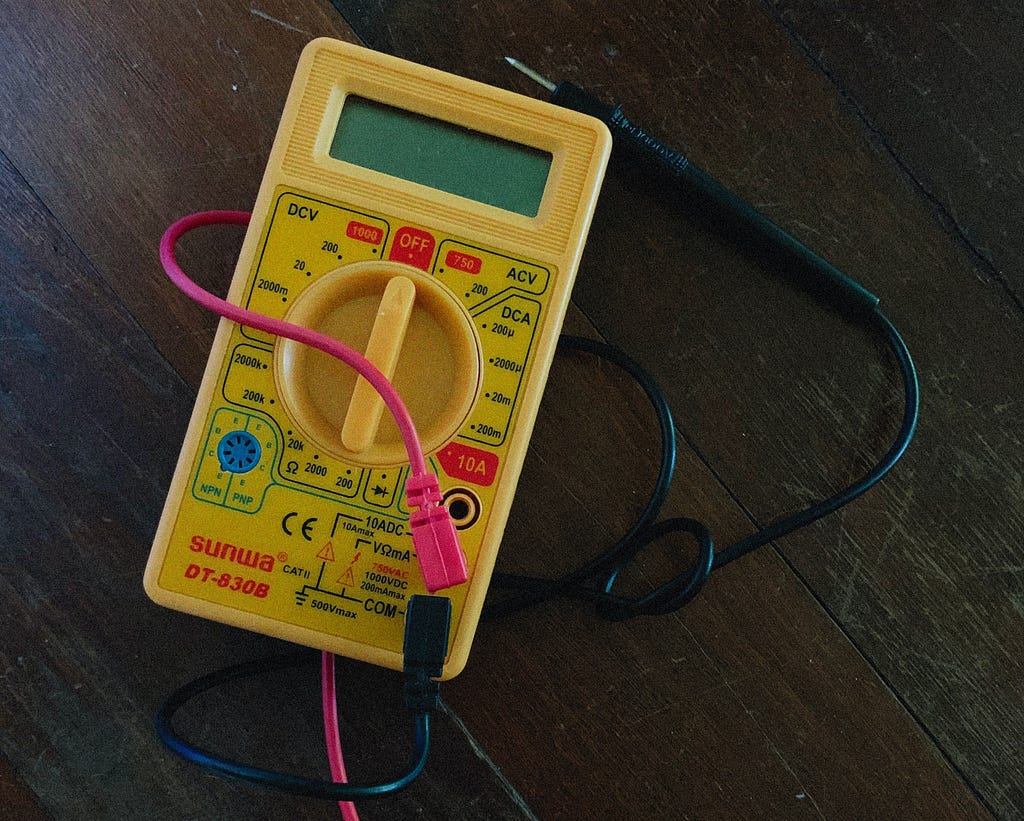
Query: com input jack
[(463, 506)]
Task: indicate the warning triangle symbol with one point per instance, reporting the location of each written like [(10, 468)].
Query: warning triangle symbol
[(348, 579), (326, 553)]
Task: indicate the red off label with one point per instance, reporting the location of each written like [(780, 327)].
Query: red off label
[(463, 262), (469, 464), (413, 246)]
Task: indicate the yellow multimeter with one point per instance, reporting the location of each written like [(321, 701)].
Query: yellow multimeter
[(435, 223)]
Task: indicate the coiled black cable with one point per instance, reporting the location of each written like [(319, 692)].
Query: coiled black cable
[(606, 567), (427, 626), (595, 580)]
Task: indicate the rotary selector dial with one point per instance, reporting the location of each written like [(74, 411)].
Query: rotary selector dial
[(413, 328)]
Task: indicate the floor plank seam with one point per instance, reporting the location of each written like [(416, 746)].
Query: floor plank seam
[(489, 762), (888, 685), (94, 269), (942, 211)]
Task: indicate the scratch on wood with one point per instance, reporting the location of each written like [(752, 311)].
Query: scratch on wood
[(264, 16), (959, 41), (847, 596), (774, 748)]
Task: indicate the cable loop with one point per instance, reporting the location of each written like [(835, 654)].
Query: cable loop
[(285, 782), (670, 595), (578, 583)]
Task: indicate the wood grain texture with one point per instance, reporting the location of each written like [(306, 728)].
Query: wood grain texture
[(941, 92), (940, 86), (869, 668), (16, 799)]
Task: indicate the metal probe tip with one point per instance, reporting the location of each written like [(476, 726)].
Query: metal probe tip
[(540, 79)]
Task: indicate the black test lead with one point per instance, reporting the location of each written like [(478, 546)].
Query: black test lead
[(744, 224)]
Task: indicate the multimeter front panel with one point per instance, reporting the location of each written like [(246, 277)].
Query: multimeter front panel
[(277, 521)]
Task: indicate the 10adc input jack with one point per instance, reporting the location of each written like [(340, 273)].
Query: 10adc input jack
[(463, 507)]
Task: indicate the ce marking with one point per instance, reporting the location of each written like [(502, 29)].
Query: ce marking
[(306, 527)]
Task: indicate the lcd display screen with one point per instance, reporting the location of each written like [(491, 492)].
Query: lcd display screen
[(441, 155)]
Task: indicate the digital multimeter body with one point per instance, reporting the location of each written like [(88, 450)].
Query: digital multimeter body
[(436, 224)]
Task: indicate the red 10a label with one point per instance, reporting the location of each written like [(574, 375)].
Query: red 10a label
[(469, 464)]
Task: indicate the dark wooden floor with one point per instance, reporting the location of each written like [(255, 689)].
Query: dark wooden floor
[(867, 667)]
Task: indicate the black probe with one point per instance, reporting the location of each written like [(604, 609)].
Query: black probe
[(743, 222)]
